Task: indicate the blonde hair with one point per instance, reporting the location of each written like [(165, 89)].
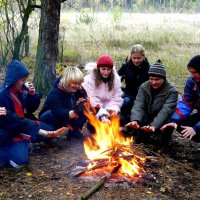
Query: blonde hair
[(137, 48), (71, 74)]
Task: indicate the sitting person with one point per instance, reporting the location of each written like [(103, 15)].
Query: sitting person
[(134, 72), (155, 102), (19, 96), (14, 95), (184, 119), (14, 138), (64, 103), (103, 87)]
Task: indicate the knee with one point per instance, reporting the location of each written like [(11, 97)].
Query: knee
[(127, 100), (19, 155)]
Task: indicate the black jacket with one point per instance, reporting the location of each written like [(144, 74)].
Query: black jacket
[(134, 76)]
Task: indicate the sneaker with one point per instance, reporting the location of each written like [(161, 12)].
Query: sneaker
[(52, 134), (15, 165)]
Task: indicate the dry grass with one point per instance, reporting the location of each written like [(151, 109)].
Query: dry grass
[(173, 38)]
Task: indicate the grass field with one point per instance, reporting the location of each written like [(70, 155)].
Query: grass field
[(173, 38)]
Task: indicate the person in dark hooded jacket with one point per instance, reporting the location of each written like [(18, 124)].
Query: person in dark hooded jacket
[(19, 96), (18, 125), (14, 96)]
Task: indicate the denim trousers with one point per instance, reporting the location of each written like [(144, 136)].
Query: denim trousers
[(15, 151)]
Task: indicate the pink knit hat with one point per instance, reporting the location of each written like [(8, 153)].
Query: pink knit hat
[(105, 61)]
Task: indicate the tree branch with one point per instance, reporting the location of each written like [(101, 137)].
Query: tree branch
[(35, 6)]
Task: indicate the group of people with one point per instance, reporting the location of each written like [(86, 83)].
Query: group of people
[(147, 103)]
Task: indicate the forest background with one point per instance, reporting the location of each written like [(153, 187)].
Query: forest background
[(168, 29), (50, 34)]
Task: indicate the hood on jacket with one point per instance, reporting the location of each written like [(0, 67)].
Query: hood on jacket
[(15, 71)]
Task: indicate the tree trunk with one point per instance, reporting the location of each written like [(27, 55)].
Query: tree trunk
[(47, 50), (26, 45), (24, 31)]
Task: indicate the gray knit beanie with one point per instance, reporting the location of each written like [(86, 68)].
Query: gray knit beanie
[(157, 69)]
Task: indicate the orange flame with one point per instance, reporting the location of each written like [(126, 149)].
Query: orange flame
[(109, 143)]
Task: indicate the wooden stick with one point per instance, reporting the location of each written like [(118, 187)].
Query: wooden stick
[(99, 184)]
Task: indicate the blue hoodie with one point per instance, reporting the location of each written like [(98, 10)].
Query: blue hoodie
[(15, 71), (189, 101)]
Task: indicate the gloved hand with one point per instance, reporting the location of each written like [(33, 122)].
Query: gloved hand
[(95, 109), (80, 105)]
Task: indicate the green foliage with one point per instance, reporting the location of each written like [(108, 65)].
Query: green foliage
[(2, 3)]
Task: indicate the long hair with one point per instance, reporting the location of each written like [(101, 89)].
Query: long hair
[(137, 48), (98, 79)]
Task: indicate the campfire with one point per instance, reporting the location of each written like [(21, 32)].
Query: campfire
[(110, 154)]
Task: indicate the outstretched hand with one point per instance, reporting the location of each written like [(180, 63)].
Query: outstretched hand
[(80, 105), (148, 128), (169, 125), (133, 125), (188, 132)]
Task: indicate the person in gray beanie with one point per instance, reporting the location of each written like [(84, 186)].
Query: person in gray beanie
[(155, 102), (184, 119), (157, 70)]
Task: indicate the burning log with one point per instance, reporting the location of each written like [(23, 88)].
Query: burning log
[(95, 165), (111, 154)]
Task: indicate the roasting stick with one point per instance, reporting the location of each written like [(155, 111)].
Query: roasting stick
[(99, 184)]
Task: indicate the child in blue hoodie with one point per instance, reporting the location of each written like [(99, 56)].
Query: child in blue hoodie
[(21, 102)]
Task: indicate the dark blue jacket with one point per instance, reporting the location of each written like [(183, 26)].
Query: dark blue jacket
[(15, 71), (134, 76), (189, 101), (60, 102)]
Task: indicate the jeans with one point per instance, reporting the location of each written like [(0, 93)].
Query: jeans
[(126, 109), (15, 151)]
